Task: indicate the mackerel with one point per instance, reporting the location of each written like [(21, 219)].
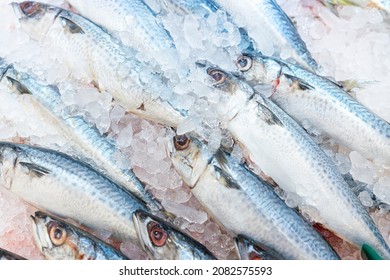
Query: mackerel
[(244, 204), (102, 60), (59, 184), (317, 102), (47, 100), (285, 152)]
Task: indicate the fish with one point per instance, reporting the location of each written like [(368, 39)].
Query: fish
[(9, 256), (283, 150), (135, 17), (162, 241), (68, 188), (250, 250), (244, 204), (272, 30), (59, 240), (327, 107), (88, 140), (101, 59)]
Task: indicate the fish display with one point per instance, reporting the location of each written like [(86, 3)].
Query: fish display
[(194, 130), (58, 240)]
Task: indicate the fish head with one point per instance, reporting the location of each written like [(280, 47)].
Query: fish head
[(53, 238), (162, 241), (189, 157), (233, 92), (258, 69), (36, 18), (250, 250)]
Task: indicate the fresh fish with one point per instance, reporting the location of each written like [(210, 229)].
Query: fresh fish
[(243, 204), (318, 102), (57, 183), (162, 241), (102, 60), (250, 250), (133, 17), (286, 153), (58, 240), (8, 256), (86, 138), (271, 29)]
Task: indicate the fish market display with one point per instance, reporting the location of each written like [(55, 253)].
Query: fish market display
[(88, 139), (93, 92), (59, 240), (8, 256), (328, 108), (68, 188), (245, 205), (163, 242)]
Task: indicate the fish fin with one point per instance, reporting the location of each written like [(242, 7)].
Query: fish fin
[(301, 83), (368, 253), (268, 116), (71, 26), (350, 85), (37, 170), (226, 179), (22, 89)]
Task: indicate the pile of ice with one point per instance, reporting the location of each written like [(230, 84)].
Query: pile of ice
[(352, 46)]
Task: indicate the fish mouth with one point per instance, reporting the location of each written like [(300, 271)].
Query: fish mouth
[(138, 218), (17, 10), (37, 232)]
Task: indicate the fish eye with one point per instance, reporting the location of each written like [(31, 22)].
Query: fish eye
[(157, 234), (57, 233), (29, 8), (244, 63), (218, 76), (181, 142)]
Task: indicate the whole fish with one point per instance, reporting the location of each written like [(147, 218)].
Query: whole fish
[(250, 250), (320, 103), (271, 29), (131, 16), (58, 240), (102, 60), (286, 153), (85, 137), (9, 256), (243, 204), (162, 241), (59, 184)]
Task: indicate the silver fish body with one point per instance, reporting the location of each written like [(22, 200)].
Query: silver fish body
[(245, 205), (58, 240), (56, 183), (9, 256), (164, 242), (101, 59), (271, 29), (81, 134), (327, 107), (134, 16), (286, 153)]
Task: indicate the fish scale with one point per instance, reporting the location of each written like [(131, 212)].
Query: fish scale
[(85, 137), (55, 182)]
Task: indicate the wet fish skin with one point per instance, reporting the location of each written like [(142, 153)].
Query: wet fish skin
[(84, 136), (175, 245), (284, 151), (59, 184), (59, 240), (9, 256), (148, 34), (102, 60), (328, 108), (245, 205), (266, 19), (250, 250)]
